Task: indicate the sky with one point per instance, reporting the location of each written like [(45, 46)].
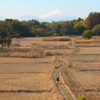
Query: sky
[(18, 8)]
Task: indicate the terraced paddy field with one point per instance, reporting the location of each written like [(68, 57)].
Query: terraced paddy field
[(84, 58), (83, 72), (26, 79), (83, 79), (89, 50)]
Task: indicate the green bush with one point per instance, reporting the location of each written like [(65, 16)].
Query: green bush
[(87, 34), (81, 98)]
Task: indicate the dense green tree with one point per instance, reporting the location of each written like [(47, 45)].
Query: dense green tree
[(43, 25), (13, 27), (58, 30), (51, 28), (25, 31), (67, 29), (3, 36), (33, 23), (96, 30), (87, 34), (40, 32), (79, 29), (9, 29)]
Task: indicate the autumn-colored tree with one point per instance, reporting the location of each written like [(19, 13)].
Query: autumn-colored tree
[(93, 19)]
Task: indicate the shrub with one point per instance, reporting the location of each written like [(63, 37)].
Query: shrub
[(81, 98), (55, 67), (48, 53), (87, 34), (64, 39)]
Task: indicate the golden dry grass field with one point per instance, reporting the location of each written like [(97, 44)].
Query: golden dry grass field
[(25, 74)]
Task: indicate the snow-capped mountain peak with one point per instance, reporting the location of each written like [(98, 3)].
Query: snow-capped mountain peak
[(59, 12)]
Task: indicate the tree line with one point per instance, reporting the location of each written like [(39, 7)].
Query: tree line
[(10, 28)]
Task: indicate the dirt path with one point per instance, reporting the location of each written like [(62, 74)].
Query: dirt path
[(62, 80), (66, 86)]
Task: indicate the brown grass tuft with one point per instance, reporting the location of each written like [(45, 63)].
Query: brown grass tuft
[(86, 41), (56, 39)]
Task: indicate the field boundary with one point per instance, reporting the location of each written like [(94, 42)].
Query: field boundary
[(26, 91)]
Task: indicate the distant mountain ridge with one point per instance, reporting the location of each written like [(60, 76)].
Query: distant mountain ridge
[(56, 15), (26, 17)]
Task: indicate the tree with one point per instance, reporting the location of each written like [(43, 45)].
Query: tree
[(93, 19), (51, 28), (39, 32), (67, 29), (10, 28), (3, 36), (96, 30), (43, 25), (79, 29), (87, 34), (25, 31), (33, 23)]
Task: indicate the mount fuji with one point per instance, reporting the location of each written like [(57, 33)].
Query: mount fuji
[(58, 12), (57, 15)]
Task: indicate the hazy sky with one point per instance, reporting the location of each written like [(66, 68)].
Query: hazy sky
[(17, 8)]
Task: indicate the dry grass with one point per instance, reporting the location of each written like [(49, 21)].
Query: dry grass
[(89, 50), (35, 49), (23, 78), (25, 41), (25, 96), (56, 39), (86, 40), (84, 58), (20, 55)]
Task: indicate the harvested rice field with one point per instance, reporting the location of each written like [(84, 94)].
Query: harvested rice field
[(26, 79)]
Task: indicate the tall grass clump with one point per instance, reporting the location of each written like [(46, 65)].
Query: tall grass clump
[(86, 40), (4, 49), (49, 53), (56, 39), (21, 52)]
